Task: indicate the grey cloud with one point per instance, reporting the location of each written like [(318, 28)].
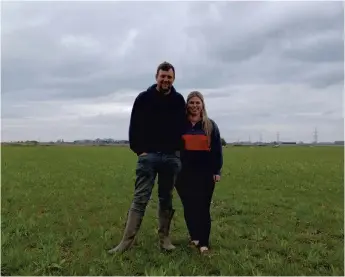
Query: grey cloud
[(268, 35), (325, 49), (216, 94), (43, 62), (237, 51), (106, 120), (261, 65), (333, 76), (29, 109), (82, 70)]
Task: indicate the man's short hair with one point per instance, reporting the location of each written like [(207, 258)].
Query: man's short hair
[(165, 66)]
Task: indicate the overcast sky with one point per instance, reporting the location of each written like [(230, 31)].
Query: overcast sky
[(72, 70)]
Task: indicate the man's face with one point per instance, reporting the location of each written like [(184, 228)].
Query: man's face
[(165, 79)]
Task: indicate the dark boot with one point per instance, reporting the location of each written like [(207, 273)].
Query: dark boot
[(134, 220), (164, 218)]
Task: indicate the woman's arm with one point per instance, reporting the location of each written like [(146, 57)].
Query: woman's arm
[(216, 149)]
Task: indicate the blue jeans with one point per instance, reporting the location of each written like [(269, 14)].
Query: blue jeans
[(167, 167)]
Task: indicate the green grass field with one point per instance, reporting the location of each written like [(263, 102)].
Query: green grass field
[(277, 211)]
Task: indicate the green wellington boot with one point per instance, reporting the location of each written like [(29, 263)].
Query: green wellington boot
[(134, 220), (164, 219)]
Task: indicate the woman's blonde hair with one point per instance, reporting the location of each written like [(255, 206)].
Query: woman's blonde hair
[(206, 122)]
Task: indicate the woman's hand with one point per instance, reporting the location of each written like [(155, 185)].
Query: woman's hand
[(216, 178)]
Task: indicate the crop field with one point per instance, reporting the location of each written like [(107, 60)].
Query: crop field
[(276, 211)]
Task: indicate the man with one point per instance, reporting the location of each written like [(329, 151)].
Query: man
[(155, 131)]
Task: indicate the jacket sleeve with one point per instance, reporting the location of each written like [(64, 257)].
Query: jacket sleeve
[(179, 121), (135, 126), (216, 149), (181, 118)]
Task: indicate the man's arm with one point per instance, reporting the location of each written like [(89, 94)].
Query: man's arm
[(182, 111), (135, 126), (216, 149), (181, 118)]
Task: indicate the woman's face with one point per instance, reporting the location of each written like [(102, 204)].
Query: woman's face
[(194, 106)]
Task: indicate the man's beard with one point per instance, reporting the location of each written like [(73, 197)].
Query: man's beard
[(165, 90)]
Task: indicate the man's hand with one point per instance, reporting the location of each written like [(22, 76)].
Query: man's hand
[(216, 178)]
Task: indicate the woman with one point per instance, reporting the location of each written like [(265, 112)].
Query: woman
[(202, 161)]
